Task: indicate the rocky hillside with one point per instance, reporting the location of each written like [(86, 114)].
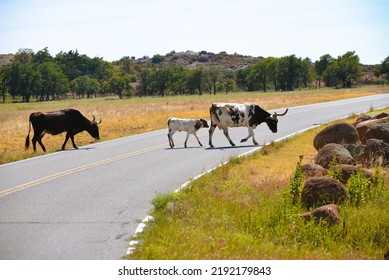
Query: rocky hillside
[(6, 59), (192, 59)]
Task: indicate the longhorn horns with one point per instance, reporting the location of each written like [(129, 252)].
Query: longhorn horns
[(275, 115), (94, 118)]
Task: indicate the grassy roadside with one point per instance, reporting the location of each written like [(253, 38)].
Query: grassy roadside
[(243, 210), (137, 115)]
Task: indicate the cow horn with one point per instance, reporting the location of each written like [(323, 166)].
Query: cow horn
[(280, 115), (94, 118), (100, 121)]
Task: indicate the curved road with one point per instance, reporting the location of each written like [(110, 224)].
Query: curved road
[(87, 203)]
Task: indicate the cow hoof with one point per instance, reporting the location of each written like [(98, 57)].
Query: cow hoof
[(256, 144), (243, 140)]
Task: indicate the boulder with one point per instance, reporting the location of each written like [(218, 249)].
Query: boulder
[(333, 151), (378, 131), (320, 191), (364, 126), (354, 150), (313, 170), (375, 152), (380, 116), (361, 119), (348, 170), (328, 213), (341, 133)]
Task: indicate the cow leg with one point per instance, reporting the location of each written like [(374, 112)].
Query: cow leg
[(198, 140), (245, 139), (170, 137), (251, 134), (225, 131), (187, 137), (40, 143), (33, 140), (74, 144), (39, 140), (211, 131), (66, 140)]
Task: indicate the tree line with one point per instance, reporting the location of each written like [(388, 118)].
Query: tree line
[(43, 77)]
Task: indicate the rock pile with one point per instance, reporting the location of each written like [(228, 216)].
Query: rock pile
[(366, 143)]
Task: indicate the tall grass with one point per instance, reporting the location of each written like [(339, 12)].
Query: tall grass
[(246, 210)]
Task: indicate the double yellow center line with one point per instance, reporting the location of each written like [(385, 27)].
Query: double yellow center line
[(77, 169)]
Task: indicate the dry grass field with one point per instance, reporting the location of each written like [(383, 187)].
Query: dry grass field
[(132, 116)]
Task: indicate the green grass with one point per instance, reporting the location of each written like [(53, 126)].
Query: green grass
[(244, 210)]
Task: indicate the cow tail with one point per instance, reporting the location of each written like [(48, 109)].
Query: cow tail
[(27, 144), (214, 117)]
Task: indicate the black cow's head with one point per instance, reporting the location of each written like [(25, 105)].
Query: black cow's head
[(94, 128), (273, 120)]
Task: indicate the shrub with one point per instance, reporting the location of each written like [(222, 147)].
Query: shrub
[(361, 189), (296, 183)]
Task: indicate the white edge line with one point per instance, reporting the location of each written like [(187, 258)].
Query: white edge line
[(134, 242)]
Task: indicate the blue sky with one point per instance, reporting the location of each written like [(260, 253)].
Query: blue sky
[(116, 28)]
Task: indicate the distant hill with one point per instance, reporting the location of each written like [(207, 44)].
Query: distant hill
[(192, 59)]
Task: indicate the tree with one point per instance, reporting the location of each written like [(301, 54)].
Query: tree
[(42, 56), (157, 59), (195, 80), (145, 81), (343, 71), (120, 85), (3, 82), (271, 68), (54, 82), (253, 77), (384, 68), (321, 66), (215, 75), (72, 64), (330, 75), (349, 70), (85, 85), (23, 80), (23, 55), (178, 77), (228, 79), (98, 68), (288, 72), (161, 79), (306, 71)]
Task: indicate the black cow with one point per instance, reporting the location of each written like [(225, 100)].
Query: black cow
[(225, 115), (70, 121)]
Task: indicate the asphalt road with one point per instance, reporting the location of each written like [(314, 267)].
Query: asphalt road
[(87, 203)]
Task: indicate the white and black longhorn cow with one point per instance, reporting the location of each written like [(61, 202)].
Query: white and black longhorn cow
[(225, 115)]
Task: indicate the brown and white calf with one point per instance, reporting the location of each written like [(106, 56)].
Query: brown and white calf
[(191, 126)]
